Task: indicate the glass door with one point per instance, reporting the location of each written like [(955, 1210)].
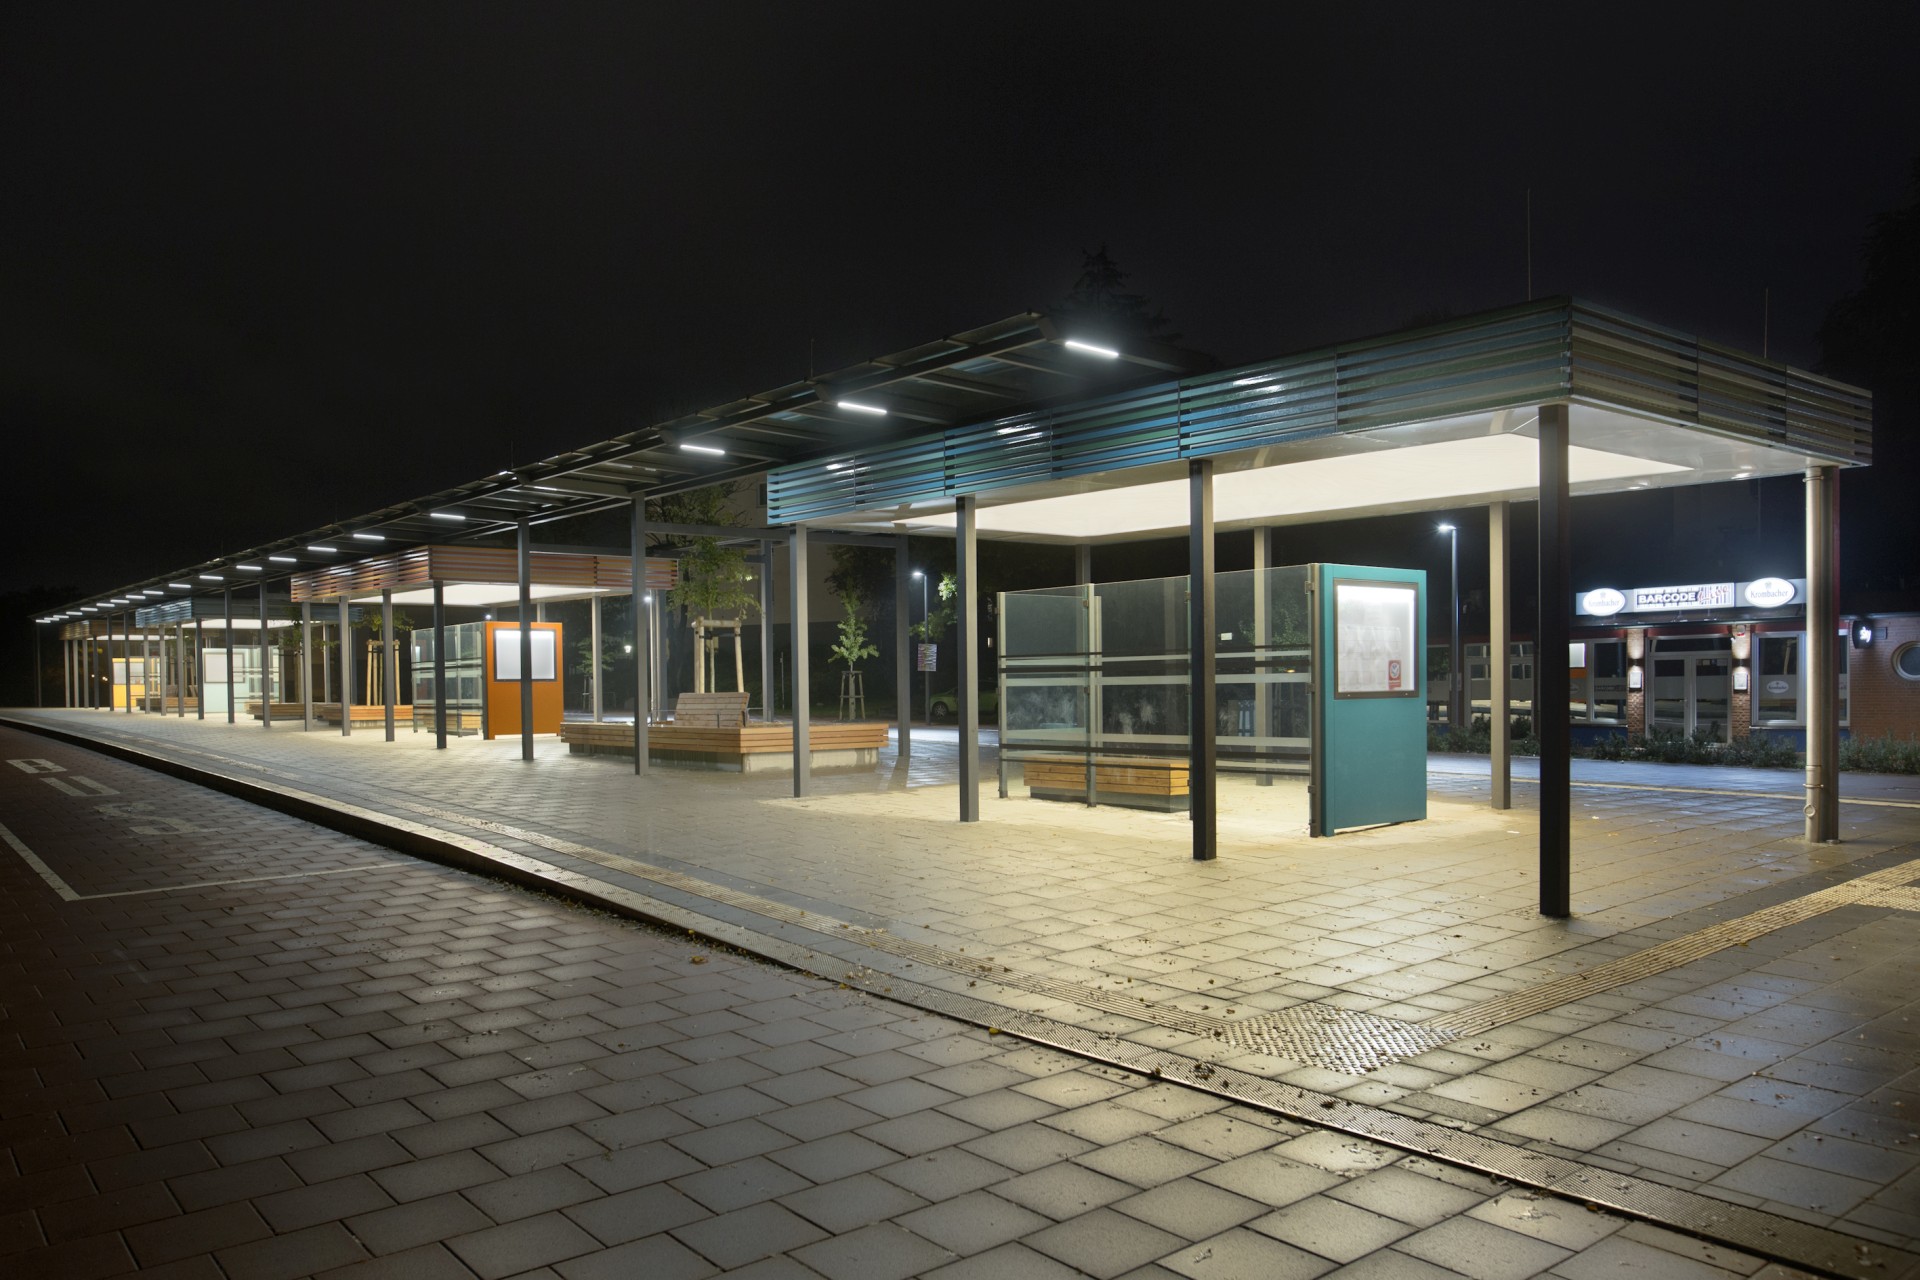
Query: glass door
[(1692, 693), (1669, 695)]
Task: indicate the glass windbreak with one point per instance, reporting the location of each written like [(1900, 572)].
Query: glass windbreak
[(1103, 669), (466, 643)]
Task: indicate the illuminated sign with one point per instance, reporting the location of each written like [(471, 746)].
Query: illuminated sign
[(1769, 593), (1703, 595), (1602, 603)]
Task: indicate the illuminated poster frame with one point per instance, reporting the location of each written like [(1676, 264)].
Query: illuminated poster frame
[(1376, 631), (506, 654)]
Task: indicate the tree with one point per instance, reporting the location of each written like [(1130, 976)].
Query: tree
[(939, 621), (1100, 297), (853, 646)]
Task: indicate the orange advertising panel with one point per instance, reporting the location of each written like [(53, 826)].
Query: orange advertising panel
[(503, 678)]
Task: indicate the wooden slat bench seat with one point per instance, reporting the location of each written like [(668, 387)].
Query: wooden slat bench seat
[(710, 710), (1139, 782), (281, 710), (171, 703), (752, 748), (330, 712)]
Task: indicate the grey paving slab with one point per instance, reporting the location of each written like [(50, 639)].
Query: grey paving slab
[(599, 1136)]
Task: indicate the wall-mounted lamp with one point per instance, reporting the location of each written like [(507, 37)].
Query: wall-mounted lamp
[(1740, 680), (1741, 641), (1636, 643), (1636, 677), (1862, 634)]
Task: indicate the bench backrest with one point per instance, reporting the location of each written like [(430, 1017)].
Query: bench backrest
[(711, 710)]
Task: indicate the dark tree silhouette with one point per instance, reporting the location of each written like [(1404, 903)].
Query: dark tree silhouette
[(1100, 295)]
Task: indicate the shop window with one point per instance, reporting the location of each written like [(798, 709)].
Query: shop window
[(1777, 694), (1906, 662), (1607, 680)]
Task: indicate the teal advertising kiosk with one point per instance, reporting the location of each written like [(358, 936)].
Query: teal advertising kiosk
[(1370, 715)]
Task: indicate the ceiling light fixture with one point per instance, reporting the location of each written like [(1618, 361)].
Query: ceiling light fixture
[(283, 559), (211, 577), (181, 586), (1105, 353), (249, 568), (447, 515), (703, 448), (371, 537), (323, 548), (858, 407)]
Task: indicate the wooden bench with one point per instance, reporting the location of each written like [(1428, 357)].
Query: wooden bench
[(1136, 782), (281, 710), (750, 748), (330, 712), (710, 710)]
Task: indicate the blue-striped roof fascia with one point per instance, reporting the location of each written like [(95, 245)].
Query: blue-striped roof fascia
[(1554, 350)]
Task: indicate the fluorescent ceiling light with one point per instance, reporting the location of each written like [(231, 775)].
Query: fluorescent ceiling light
[(323, 548), (87, 608), (150, 591), (371, 537), (250, 568), (1105, 353), (1408, 476), (858, 407), (211, 577), (283, 559), (703, 448), (446, 515), (181, 586), (1444, 528)]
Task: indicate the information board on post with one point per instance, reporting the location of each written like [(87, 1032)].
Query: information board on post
[(926, 657)]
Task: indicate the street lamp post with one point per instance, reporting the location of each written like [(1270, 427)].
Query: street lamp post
[(1456, 673), (926, 677)]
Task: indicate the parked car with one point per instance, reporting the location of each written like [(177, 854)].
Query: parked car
[(946, 706)]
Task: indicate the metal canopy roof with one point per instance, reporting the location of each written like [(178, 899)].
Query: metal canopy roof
[(1015, 364)]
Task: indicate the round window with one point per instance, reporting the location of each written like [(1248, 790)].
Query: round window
[(1907, 661)]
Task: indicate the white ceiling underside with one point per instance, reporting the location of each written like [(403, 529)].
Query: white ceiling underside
[(484, 595), (1448, 463)]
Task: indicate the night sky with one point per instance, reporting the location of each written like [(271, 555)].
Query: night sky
[(264, 266)]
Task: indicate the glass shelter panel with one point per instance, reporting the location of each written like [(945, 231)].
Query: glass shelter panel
[(464, 665)]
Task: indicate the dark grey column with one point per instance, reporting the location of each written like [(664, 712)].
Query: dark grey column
[(1262, 640), (1552, 690), (1823, 667), (126, 654), (766, 631), (1456, 652), (642, 639), (306, 665), (1499, 663), (1201, 643), (526, 640), (199, 669), (180, 670), (1082, 565), (802, 685), (227, 595), (593, 658), (146, 663), (389, 659), (266, 664), (903, 648), (345, 636), (966, 558), (439, 666), (39, 673)]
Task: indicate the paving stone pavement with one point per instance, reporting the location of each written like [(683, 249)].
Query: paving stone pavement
[(1779, 1075), (370, 1065)]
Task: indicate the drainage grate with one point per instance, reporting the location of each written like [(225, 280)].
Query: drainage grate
[(1343, 1040)]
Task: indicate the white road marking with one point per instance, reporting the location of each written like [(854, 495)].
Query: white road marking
[(32, 859), (215, 884), (36, 764), (148, 822)]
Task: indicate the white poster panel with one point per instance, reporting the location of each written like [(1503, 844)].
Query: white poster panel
[(1376, 639), (506, 654)]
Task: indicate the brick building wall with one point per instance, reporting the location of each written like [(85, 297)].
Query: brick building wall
[(1880, 700)]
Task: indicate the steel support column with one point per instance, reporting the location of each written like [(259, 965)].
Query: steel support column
[(389, 659), (526, 639), (306, 665), (1263, 667), (766, 631), (439, 665), (1499, 663), (642, 638), (266, 664), (802, 685), (199, 669), (1823, 666), (902, 649), (126, 649), (593, 659), (227, 596), (345, 637), (966, 559), (1552, 686), (1082, 565), (146, 666), (1202, 640)]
